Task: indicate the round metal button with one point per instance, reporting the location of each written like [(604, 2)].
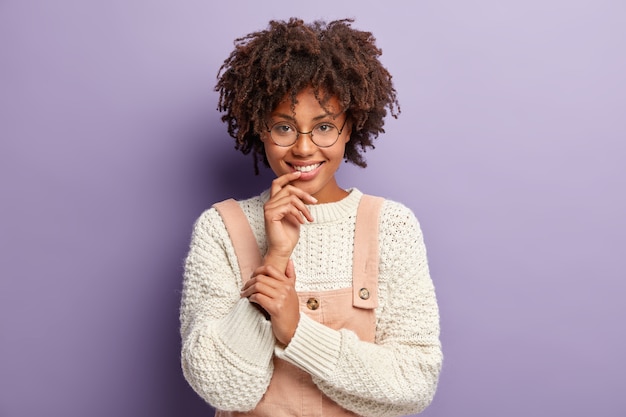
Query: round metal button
[(312, 303), (364, 293)]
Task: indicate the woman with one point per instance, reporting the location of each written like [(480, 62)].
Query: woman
[(309, 299)]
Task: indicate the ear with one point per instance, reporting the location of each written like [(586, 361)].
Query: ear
[(348, 131)]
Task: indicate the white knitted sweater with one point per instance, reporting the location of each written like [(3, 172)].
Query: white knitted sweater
[(227, 344)]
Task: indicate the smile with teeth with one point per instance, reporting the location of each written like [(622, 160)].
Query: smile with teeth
[(306, 168)]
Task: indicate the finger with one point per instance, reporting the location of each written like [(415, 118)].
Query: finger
[(272, 290), (258, 288), (290, 272), (288, 212), (277, 208), (266, 278), (247, 284), (275, 302), (290, 192), (283, 184), (261, 300), (282, 181), (303, 195), (250, 285), (296, 216)]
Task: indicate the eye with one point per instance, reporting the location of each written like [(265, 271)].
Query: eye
[(324, 129), (283, 129)]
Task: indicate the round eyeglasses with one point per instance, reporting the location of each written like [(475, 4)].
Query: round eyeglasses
[(323, 135)]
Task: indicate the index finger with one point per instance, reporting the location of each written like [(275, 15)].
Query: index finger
[(282, 181)]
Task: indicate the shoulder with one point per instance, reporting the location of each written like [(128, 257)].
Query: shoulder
[(210, 217), (398, 224), (394, 213), (253, 207), (401, 243), (396, 209)]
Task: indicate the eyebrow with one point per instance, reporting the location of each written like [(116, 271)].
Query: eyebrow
[(290, 117)]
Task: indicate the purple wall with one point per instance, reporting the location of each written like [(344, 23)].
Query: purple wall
[(511, 149)]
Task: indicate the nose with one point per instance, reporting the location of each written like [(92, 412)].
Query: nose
[(304, 145)]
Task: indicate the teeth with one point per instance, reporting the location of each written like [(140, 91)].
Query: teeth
[(307, 168)]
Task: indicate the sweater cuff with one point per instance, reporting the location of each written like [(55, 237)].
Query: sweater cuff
[(313, 348), (247, 333)]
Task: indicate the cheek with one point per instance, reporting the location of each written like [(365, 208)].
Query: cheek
[(274, 155), (336, 156), (342, 151), (265, 145)]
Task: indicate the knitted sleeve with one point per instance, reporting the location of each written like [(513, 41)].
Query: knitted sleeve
[(398, 374), (226, 342)]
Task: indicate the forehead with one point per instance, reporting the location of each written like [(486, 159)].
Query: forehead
[(307, 106)]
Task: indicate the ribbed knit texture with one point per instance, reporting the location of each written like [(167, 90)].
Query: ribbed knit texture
[(228, 344), (319, 362)]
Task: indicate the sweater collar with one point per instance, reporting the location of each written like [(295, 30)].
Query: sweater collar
[(330, 212)]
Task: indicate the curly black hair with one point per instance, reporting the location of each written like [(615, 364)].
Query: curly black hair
[(333, 58)]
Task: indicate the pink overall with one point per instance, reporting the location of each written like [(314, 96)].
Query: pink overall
[(291, 391)]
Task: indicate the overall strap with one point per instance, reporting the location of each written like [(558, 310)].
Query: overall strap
[(241, 236), (365, 260)]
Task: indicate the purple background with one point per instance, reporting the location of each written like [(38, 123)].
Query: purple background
[(510, 148)]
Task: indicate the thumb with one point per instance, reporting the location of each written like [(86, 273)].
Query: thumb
[(290, 271)]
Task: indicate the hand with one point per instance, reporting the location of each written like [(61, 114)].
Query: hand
[(276, 293), (284, 212)]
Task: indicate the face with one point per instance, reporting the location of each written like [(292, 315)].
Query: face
[(318, 165)]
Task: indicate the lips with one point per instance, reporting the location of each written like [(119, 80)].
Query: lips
[(308, 171), (306, 168)]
